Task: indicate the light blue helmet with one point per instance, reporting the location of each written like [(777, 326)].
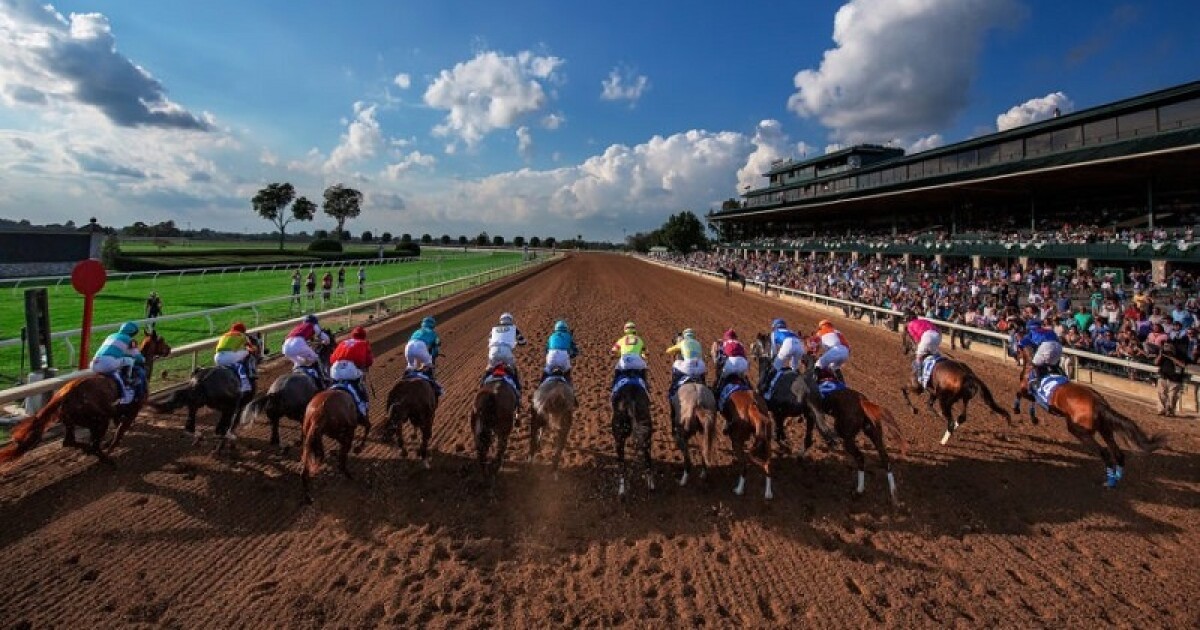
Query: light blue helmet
[(428, 322), (128, 328), (778, 323), (310, 319), (561, 326)]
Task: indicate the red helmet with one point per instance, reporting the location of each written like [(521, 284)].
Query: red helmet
[(730, 334), (238, 327), (358, 333)]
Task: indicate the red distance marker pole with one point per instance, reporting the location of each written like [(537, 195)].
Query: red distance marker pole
[(88, 278)]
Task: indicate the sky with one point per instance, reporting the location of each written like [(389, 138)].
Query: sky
[(524, 117)]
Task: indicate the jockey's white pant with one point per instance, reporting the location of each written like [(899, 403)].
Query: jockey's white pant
[(1048, 353), (560, 359), (834, 358), (104, 364), (691, 367), (631, 362), (501, 353), (299, 352), (791, 353), (344, 371), (230, 358), (416, 353), (735, 366), (929, 343)]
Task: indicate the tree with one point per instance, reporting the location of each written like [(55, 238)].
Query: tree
[(550, 241), (275, 204), (367, 237), (445, 239), (406, 238), (519, 241), (110, 251), (535, 242), (386, 237), (426, 239), (462, 240), (683, 233), (342, 203), (320, 234), (482, 239), (498, 241)]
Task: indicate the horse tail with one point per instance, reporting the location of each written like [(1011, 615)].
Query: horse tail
[(313, 453), (29, 432), (763, 428), (1124, 425), (179, 398), (979, 387), (257, 406), (884, 418)]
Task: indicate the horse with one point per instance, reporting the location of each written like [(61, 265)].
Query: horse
[(492, 417), (287, 397), (218, 388), (553, 401), (631, 417), (413, 400), (1088, 413), (854, 413), (695, 413), (331, 413), (91, 403), (950, 382), (747, 411)]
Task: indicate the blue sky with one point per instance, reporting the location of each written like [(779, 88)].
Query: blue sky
[(533, 118)]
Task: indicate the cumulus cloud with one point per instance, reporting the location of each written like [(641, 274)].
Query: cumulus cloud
[(932, 141), (402, 81), (361, 141), (384, 201), (1033, 110), (900, 67), (46, 58), (524, 142), (623, 86), (408, 162), (491, 91), (553, 121), (770, 144)]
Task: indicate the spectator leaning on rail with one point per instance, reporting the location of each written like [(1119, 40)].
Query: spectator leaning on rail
[(925, 334), (505, 336), (560, 349), (117, 357), (233, 348), (689, 365), (154, 309), (787, 349), (296, 347), (349, 363)]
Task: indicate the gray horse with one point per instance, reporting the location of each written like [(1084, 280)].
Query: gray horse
[(553, 402), (288, 397), (696, 410)]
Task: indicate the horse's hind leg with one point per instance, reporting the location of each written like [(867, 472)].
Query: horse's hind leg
[(642, 435), (501, 448), (619, 437), (681, 442), (560, 441), (1118, 471), (875, 433), (948, 414), (1088, 438), (860, 484), (423, 451), (94, 448), (535, 432)]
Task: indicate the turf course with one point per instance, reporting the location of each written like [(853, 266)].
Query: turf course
[(125, 299)]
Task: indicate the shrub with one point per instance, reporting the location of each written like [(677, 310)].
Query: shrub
[(408, 249), (325, 245)]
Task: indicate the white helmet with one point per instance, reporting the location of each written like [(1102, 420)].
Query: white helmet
[(506, 319)]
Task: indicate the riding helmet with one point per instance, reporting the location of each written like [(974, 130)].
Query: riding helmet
[(128, 328), (730, 334), (358, 333), (506, 319), (238, 327), (688, 333), (630, 327), (561, 326), (823, 323), (778, 323), (310, 319), (428, 322)]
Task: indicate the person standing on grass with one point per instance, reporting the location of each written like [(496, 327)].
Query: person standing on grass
[(341, 280), (326, 286), (153, 309), (295, 290), (310, 284), (362, 280)]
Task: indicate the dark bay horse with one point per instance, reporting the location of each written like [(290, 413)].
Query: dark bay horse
[(91, 403), (331, 413), (1088, 413), (217, 388), (412, 400), (950, 382), (696, 413), (287, 397), (747, 410), (631, 417), (553, 403), (854, 413), (492, 417)]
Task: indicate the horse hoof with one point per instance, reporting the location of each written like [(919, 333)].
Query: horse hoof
[(683, 480), (425, 464), (945, 438)]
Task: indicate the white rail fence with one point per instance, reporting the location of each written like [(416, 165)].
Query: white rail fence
[(892, 319), (403, 300)]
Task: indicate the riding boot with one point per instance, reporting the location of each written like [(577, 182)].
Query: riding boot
[(764, 380), (1034, 379)]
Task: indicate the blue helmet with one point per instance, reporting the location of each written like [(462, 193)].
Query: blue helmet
[(428, 322), (561, 326), (310, 319), (1034, 323), (778, 323), (128, 328)]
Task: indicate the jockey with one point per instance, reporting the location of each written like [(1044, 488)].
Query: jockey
[(296, 347), (835, 349), (423, 347), (925, 334), (233, 348), (116, 358), (505, 336), (560, 349), (788, 349), (690, 363), (631, 351), (735, 366), (1046, 354), (348, 363)]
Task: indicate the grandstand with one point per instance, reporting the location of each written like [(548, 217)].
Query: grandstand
[(1110, 185)]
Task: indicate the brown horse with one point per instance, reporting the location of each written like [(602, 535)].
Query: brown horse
[(631, 417), (288, 397), (854, 413), (950, 382), (696, 410), (1087, 413), (553, 402), (492, 417), (413, 400), (747, 411), (91, 403), (331, 413)]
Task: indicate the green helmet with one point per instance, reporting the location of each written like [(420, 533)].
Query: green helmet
[(428, 322), (561, 326), (128, 328)]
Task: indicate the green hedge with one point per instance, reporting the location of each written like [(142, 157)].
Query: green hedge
[(325, 245), (238, 258)]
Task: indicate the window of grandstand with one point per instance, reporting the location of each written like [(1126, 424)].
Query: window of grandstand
[(1012, 151), (1065, 139), (1137, 124), (1100, 131), (1037, 145), (1179, 115)]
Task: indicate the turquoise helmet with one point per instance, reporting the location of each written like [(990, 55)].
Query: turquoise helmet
[(561, 326), (428, 322), (128, 328)]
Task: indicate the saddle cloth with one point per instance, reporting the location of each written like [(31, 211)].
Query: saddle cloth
[(349, 389), (627, 380), (728, 390), (1046, 387), (825, 388), (927, 366)]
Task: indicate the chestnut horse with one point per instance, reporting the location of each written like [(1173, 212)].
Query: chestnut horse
[(414, 401), (331, 413), (91, 403), (1088, 413), (950, 382), (492, 417), (854, 413), (747, 411), (553, 402)]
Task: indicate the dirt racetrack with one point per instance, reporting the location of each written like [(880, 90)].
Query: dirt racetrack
[(1002, 527)]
